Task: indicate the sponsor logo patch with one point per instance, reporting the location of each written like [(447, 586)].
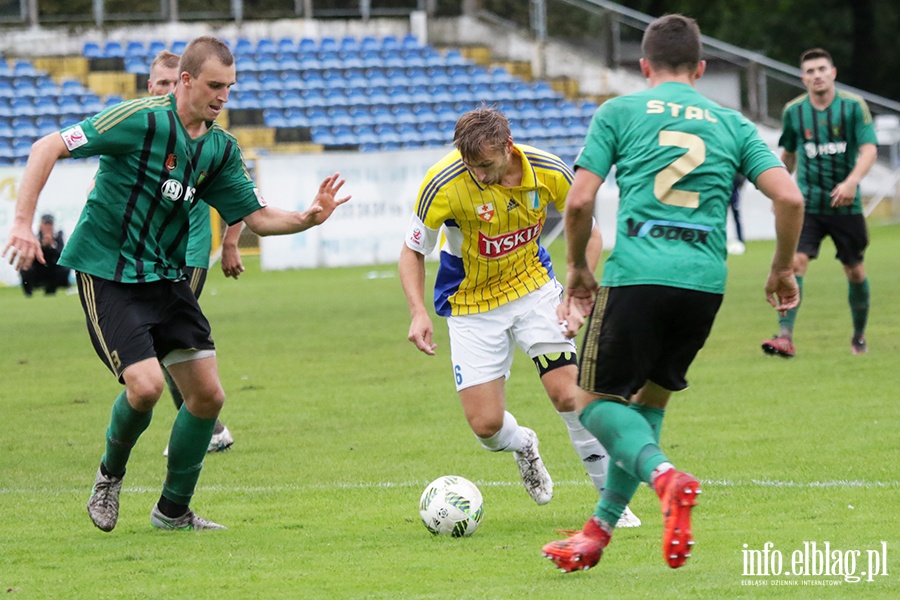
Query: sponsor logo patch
[(671, 231), (494, 247), (74, 137)]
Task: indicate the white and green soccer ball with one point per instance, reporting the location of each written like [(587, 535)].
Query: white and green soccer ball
[(451, 505)]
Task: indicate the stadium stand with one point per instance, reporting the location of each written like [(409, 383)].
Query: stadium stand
[(364, 94)]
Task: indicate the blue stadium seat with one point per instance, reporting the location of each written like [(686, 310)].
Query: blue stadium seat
[(23, 107), (247, 82), (113, 49), (340, 116), (154, 48), (24, 126), (296, 118), (390, 42), (410, 41), (377, 78), (314, 98), (244, 64), (21, 148), (365, 134), (287, 45), (349, 44), (266, 46), (387, 133), (112, 100), (361, 115), (178, 46), (275, 119), (291, 98), (370, 58), (269, 99), (307, 45), (369, 43), (91, 50), (25, 88), (249, 99), (135, 49), (455, 58), (270, 81), (328, 45), (268, 64), (136, 64)]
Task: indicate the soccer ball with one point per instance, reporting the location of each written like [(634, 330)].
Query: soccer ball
[(451, 505)]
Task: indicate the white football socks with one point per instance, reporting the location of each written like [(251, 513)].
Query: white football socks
[(591, 452), (508, 439)]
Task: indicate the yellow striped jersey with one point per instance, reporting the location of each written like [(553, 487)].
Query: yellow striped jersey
[(491, 252)]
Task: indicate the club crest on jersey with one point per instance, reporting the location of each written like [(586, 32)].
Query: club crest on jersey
[(808, 134), (171, 162), (486, 211)]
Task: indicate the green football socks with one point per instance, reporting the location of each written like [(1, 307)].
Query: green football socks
[(620, 486), (786, 322), (125, 427), (187, 448), (859, 305)]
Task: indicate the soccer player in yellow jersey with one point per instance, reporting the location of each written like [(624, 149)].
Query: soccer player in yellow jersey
[(496, 287)]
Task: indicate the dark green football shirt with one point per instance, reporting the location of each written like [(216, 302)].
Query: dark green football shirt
[(134, 227), (827, 143), (676, 153)]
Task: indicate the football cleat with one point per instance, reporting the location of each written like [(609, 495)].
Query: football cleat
[(628, 520), (534, 474), (779, 346), (581, 550), (103, 505), (677, 493), (858, 344), (189, 521)]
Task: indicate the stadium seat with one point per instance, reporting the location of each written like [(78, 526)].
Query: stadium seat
[(369, 43), (112, 100), (307, 45), (154, 48), (266, 46), (135, 49), (410, 41), (328, 45), (136, 64), (113, 49), (178, 46), (349, 44), (91, 50), (287, 45)]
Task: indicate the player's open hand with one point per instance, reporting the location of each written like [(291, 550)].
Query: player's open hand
[(782, 291), (843, 194), (571, 318), (23, 248), (325, 201)]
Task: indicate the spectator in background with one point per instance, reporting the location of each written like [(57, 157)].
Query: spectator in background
[(737, 246), (48, 275)]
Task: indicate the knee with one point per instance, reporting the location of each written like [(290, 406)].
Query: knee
[(485, 426), (564, 400), (143, 392), (206, 402)]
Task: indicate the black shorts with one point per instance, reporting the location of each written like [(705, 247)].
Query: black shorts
[(848, 232), (131, 322), (643, 333), (196, 279)]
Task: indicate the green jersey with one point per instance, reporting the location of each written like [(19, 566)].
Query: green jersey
[(134, 227), (676, 153), (199, 237), (827, 143)]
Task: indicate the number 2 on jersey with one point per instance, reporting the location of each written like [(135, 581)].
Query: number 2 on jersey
[(681, 166)]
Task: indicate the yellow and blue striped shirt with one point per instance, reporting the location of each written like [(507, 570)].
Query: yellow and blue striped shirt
[(492, 252)]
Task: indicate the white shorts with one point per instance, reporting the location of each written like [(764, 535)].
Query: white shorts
[(481, 345)]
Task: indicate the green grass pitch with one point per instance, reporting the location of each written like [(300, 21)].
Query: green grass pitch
[(340, 423)]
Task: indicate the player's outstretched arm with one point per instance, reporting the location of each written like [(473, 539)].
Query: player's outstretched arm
[(269, 220), (412, 278), (23, 248)]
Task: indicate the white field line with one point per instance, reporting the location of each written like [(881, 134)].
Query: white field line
[(364, 485)]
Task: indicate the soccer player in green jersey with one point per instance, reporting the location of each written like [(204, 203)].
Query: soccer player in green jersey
[(829, 137), (676, 154), (158, 156), (162, 81)]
